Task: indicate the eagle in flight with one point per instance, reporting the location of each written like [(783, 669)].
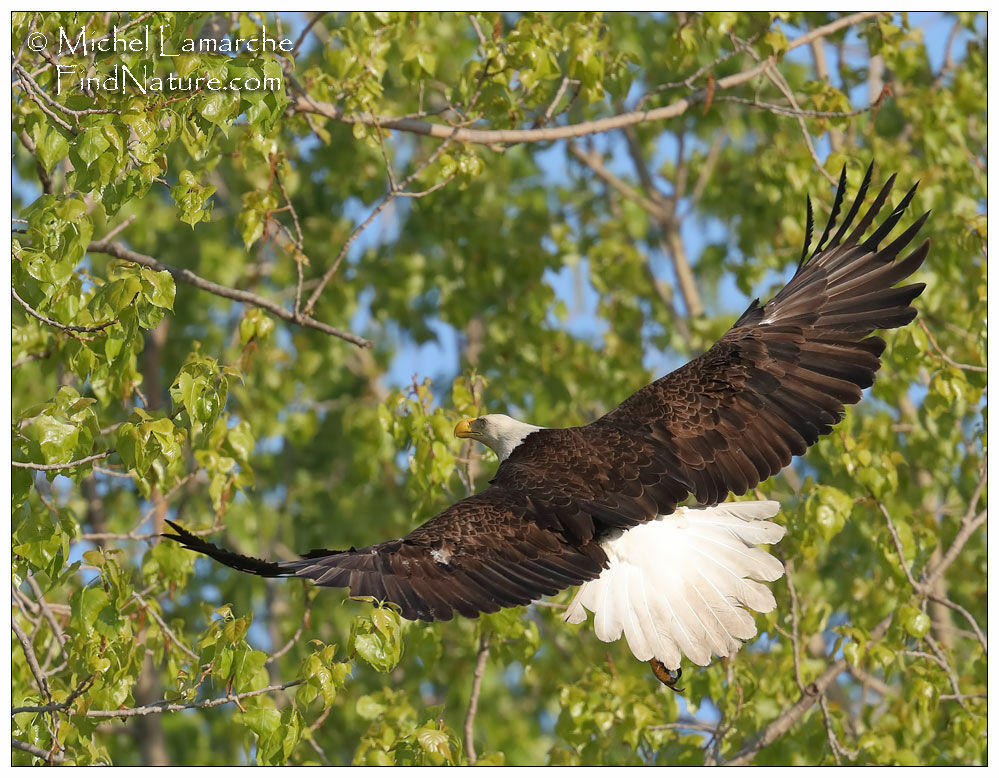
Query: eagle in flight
[(598, 506)]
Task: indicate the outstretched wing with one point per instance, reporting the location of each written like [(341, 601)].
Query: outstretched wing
[(781, 376), (724, 422), (484, 553), (775, 382)]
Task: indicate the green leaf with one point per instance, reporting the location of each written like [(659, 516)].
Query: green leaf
[(90, 144), (56, 439), (377, 640), (916, 622), (158, 288), (192, 199), (50, 144)]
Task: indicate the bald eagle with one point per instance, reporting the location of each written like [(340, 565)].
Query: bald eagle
[(598, 506)]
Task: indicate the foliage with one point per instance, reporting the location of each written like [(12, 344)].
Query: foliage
[(189, 267)]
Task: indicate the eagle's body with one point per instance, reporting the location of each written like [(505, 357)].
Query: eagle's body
[(597, 505)]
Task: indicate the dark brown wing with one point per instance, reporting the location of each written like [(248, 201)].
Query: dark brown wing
[(483, 553), (782, 375)]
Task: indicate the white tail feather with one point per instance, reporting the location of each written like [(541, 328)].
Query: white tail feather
[(681, 584)]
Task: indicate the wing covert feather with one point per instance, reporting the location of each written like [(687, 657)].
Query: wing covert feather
[(781, 376)]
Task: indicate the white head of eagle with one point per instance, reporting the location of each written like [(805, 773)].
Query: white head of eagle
[(497, 430)]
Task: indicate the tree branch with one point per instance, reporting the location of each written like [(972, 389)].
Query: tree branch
[(30, 358), (671, 243), (473, 700), (308, 27), (306, 104), (29, 655), (382, 205), (310, 594), (164, 628), (593, 161), (947, 359), (163, 706), (63, 465), (778, 80), (922, 589), (182, 274), (59, 325), (54, 757), (809, 697), (969, 523)]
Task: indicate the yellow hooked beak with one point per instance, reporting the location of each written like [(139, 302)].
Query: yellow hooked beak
[(463, 429)]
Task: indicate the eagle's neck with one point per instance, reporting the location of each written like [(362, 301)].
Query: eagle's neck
[(504, 434)]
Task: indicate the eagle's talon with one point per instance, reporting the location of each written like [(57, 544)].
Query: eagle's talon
[(667, 677)]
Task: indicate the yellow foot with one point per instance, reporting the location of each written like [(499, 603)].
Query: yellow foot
[(666, 676)]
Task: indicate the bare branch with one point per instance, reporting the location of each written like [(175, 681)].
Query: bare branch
[(799, 112), (778, 80), (54, 757), (478, 29), (683, 724), (837, 748), (165, 629), (158, 506), (163, 706), (979, 696), (118, 228), (671, 242), (592, 160), (473, 700), (922, 589), (27, 37), (916, 586), (382, 205), (30, 358), (550, 110), (429, 190), (301, 38), (311, 740), (299, 252), (818, 47), (701, 71), (63, 465), (29, 654), (875, 683), (310, 594), (714, 153), (182, 274), (941, 660), (943, 354), (948, 62), (970, 522), (59, 325), (795, 631), (36, 98), (934, 597), (34, 90), (46, 611)]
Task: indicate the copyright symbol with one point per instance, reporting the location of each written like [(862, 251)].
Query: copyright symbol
[(37, 41)]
